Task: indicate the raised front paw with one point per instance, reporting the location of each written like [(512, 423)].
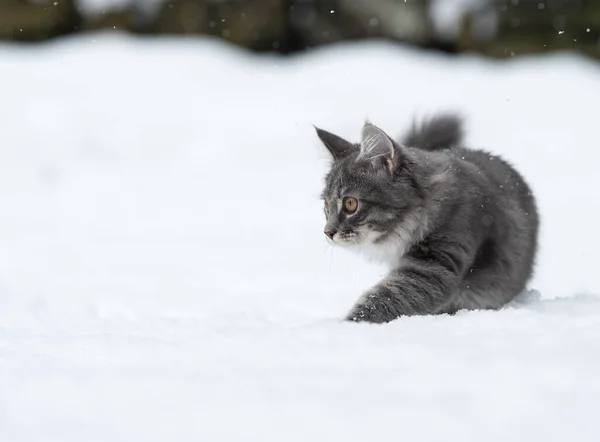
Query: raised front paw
[(372, 309)]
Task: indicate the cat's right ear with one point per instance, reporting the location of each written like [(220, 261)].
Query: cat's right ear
[(337, 146)]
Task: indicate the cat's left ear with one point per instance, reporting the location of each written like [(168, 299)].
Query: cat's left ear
[(337, 146), (378, 149)]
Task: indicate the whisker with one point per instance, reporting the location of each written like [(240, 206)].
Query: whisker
[(330, 259)]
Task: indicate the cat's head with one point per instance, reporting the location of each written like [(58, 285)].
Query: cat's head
[(370, 190)]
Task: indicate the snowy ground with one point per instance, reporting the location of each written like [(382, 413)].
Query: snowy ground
[(164, 275)]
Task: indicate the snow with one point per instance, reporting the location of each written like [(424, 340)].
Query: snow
[(91, 7), (164, 275), (97, 7), (447, 15)]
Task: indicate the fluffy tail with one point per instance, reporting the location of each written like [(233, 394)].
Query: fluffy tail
[(440, 132)]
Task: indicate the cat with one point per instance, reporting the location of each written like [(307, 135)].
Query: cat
[(457, 227)]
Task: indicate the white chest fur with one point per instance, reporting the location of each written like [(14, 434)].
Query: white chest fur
[(388, 252)]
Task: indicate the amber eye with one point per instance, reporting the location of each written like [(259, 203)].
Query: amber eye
[(350, 204), (326, 206)]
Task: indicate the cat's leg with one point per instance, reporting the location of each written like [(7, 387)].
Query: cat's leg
[(403, 293), (425, 283), (490, 288)]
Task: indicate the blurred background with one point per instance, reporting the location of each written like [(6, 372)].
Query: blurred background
[(495, 28)]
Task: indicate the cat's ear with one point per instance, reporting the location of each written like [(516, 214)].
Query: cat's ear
[(337, 146), (378, 149)]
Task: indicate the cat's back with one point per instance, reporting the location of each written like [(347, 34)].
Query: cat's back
[(511, 205), (487, 205), (503, 183)]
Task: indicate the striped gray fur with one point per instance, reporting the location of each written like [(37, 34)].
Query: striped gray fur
[(457, 227)]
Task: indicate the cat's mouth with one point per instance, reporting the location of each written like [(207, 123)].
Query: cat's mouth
[(346, 238), (356, 237)]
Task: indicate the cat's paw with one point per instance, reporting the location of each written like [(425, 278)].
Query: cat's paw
[(356, 316), (371, 310)]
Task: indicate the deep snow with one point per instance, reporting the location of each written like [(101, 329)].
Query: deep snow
[(164, 275)]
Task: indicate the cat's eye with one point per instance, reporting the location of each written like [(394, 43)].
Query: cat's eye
[(350, 204)]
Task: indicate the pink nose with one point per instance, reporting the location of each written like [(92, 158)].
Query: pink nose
[(329, 233)]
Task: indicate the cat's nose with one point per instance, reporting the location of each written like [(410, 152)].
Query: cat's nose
[(329, 233)]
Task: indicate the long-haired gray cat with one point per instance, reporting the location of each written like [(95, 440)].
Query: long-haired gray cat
[(457, 227)]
